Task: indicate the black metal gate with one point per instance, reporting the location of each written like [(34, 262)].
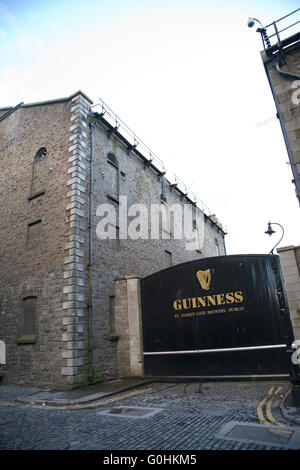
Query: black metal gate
[(223, 316)]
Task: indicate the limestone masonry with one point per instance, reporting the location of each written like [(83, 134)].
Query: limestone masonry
[(59, 162)]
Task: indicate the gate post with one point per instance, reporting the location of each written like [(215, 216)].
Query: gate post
[(289, 333), (290, 266), (129, 326)]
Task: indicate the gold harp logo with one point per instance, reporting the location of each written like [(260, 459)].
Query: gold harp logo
[(204, 278)]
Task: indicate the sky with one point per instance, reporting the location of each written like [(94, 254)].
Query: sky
[(186, 77)]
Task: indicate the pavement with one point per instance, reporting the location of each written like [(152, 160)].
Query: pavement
[(82, 395), (133, 413), (94, 393), (288, 410)]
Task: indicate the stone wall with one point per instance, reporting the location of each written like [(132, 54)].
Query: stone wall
[(43, 254), (290, 264), (57, 314), (129, 326), (286, 95), (32, 221), (116, 259), (75, 343)]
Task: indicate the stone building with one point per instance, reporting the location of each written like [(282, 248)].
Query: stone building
[(61, 165), (290, 264), (281, 59)]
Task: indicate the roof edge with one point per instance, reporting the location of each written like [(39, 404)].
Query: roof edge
[(57, 100)]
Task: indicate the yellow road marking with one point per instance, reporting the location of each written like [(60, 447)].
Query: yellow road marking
[(91, 405), (259, 410), (269, 415), (267, 402)]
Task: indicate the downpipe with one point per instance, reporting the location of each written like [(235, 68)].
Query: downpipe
[(282, 72), (90, 306)]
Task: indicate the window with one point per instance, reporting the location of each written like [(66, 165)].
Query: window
[(112, 175), (28, 321), (194, 216), (42, 152), (217, 247), (113, 336), (33, 234), (163, 189), (39, 179), (111, 158), (111, 313), (115, 243), (169, 257), (166, 219)]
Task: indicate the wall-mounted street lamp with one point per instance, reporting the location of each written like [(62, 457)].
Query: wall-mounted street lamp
[(270, 232), (289, 334)]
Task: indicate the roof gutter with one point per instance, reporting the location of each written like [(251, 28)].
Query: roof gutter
[(90, 266), (12, 110)]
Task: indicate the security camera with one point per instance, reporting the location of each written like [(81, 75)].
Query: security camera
[(250, 22)]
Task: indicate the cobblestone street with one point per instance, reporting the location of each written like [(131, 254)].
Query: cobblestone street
[(182, 416)]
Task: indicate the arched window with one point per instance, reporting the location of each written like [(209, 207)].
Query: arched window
[(42, 152), (111, 158), (39, 173)]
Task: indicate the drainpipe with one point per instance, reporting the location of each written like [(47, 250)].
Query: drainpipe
[(12, 110), (90, 264), (282, 72), (296, 179)]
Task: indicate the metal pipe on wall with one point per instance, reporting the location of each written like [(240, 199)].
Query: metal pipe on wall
[(90, 305)]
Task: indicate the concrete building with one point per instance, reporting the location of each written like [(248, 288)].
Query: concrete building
[(62, 164)]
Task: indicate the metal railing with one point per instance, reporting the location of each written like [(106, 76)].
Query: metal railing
[(272, 34), (133, 140), (105, 112)]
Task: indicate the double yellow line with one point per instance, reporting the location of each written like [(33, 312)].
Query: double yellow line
[(267, 403)]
